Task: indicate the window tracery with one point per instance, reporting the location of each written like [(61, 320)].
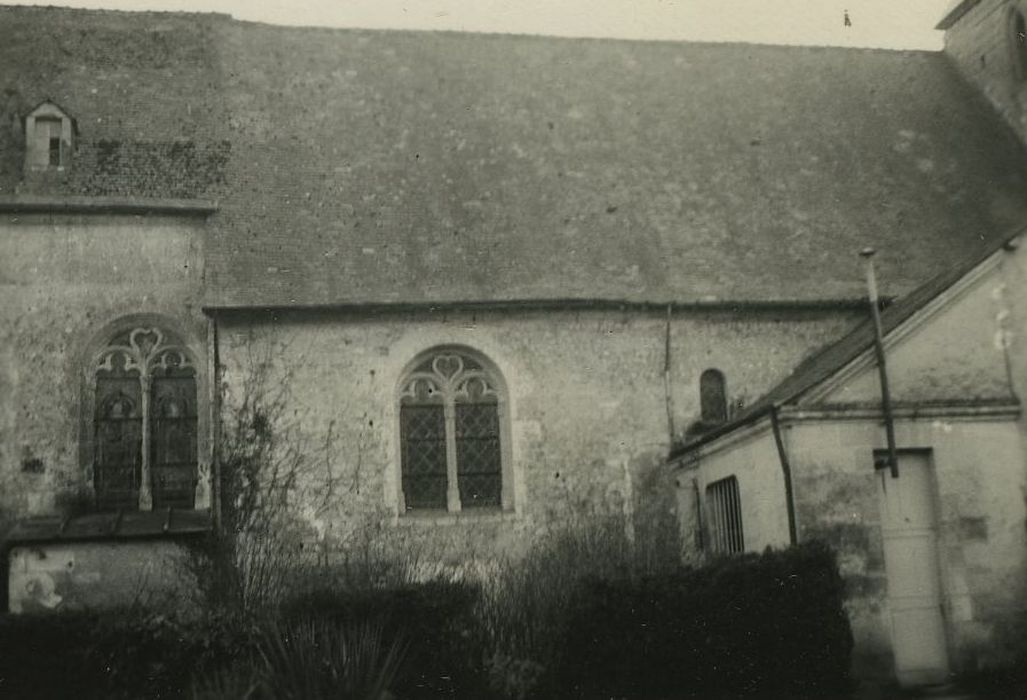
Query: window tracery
[(450, 434), (145, 423)]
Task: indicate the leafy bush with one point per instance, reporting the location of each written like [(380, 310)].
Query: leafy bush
[(771, 624)]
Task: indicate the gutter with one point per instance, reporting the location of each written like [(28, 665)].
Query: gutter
[(786, 471), (722, 430), (29, 204), (372, 307)]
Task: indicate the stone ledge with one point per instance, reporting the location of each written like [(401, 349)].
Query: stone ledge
[(468, 517), (33, 204)]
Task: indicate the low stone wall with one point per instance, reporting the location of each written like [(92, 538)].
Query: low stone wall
[(96, 575)]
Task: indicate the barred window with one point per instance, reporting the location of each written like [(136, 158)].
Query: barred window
[(712, 397), (145, 423), (450, 414), (724, 517)]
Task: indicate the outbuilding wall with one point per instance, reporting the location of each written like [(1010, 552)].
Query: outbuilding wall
[(979, 479)]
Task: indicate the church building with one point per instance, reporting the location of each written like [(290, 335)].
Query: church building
[(504, 284)]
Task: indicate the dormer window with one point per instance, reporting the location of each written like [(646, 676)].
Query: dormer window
[(49, 138)]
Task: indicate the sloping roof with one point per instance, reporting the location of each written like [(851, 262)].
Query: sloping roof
[(105, 526), (355, 166), (957, 9), (144, 89), (825, 363)]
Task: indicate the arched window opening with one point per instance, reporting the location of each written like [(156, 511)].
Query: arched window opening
[(1018, 44), (450, 434), (145, 424), (712, 397)]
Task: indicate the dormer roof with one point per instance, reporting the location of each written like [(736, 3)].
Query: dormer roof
[(50, 108)]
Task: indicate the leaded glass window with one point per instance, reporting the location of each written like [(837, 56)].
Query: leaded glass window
[(145, 427), (450, 420)]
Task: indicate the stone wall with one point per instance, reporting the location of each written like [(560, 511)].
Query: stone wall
[(587, 404), (94, 575), (981, 46), (64, 279)]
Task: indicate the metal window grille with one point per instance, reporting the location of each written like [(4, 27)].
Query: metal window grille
[(724, 517)]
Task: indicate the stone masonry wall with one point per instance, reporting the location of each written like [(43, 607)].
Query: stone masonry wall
[(63, 278), (981, 46), (587, 405)]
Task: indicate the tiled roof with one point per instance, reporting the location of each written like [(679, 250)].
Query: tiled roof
[(101, 526), (144, 89), (355, 166)]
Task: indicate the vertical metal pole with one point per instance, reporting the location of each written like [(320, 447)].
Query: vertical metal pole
[(882, 371), (668, 394)]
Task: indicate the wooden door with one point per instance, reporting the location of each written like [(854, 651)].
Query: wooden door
[(909, 528)]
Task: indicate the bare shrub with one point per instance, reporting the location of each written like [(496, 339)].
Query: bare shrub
[(270, 474), (524, 603)]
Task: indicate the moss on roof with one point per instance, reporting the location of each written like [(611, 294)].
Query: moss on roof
[(378, 166)]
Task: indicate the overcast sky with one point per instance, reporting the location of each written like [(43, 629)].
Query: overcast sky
[(876, 23)]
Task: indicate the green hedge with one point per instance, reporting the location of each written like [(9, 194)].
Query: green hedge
[(769, 624)]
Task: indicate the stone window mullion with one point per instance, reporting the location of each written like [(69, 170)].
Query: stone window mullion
[(454, 446), (452, 485), (145, 479), (145, 446)]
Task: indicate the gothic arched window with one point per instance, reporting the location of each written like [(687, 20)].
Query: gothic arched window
[(452, 427), (145, 422), (712, 397)]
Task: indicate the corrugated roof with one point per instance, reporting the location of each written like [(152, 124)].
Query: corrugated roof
[(357, 166)]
